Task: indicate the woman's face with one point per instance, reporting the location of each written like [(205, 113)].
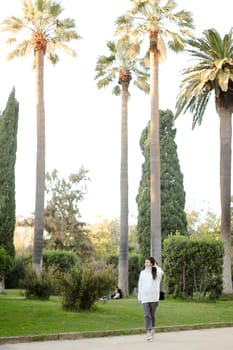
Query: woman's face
[(148, 263)]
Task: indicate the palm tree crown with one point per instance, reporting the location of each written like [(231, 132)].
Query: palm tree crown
[(120, 67), (40, 28), (212, 73), (156, 17)]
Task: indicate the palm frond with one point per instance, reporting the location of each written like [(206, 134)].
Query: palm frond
[(142, 84), (116, 90), (176, 43), (183, 19), (213, 72), (53, 58), (24, 48), (12, 25)]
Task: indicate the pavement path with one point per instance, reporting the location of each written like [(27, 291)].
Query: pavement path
[(204, 339)]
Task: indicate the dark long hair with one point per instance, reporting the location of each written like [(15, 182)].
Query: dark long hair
[(154, 268)]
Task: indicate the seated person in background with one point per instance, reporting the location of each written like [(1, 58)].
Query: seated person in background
[(117, 294)]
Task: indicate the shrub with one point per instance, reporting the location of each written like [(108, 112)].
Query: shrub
[(38, 287), (17, 272), (5, 262), (112, 260), (60, 260), (83, 286), (193, 266), (55, 263)]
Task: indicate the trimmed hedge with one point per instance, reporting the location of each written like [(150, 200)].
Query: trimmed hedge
[(193, 266)]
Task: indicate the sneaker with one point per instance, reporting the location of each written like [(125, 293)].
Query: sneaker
[(149, 335)]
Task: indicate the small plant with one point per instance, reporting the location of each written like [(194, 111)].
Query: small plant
[(82, 287)]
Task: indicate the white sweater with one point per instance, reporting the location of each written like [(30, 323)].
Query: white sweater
[(148, 288)]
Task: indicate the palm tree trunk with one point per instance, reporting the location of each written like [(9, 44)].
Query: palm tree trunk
[(225, 188), (155, 153), (123, 253), (40, 165)]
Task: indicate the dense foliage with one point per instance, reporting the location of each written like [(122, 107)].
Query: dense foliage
[(136, 263), (83, 286), (5, 262), (8, 147), (38, 287), (193, 266), (55, 262), (62, 215), (60, 260)]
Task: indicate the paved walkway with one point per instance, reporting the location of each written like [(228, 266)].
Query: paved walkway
[(211, 339)]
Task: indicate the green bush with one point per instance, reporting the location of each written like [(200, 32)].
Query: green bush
[(136, 262), (193, 266), (134, 270), (113, 260), (83, 286), (17, 272), (60, 260), (56, 263), (38, 287), (5, 262)]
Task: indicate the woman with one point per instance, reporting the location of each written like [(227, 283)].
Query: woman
[(117, 294), (148, 293)]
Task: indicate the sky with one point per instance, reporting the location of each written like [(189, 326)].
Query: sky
[(83, 123)]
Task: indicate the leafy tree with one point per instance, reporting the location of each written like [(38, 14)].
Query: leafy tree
[(41, 31), (156, 20), (202, 224), (62, 214), (120, 68), (105, 237), (8, 147), (213, 72), (173, 217)]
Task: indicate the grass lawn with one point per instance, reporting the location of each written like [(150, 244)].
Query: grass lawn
[(19, 316)]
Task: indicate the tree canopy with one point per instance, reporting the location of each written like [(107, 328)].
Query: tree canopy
[(62, 214)]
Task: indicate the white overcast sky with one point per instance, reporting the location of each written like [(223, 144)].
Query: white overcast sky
[(83, 123)]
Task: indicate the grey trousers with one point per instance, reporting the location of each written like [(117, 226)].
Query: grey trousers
[(149, 314)]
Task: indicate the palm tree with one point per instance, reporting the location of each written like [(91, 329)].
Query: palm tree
[(152, 19), (119, 68), (213, 73), (42, 32)]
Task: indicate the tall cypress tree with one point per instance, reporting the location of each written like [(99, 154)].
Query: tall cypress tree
[(173, 217), (8, 147)]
